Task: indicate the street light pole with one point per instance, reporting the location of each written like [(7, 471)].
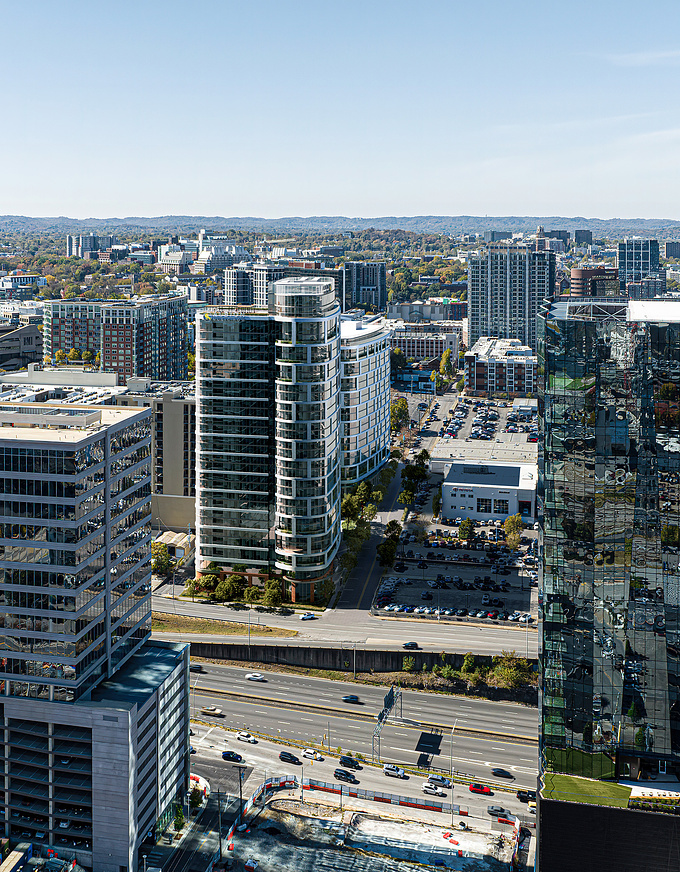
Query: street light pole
[(219, 822), (451, 766)]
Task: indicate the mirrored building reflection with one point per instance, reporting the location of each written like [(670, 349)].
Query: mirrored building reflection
[(610, 578)]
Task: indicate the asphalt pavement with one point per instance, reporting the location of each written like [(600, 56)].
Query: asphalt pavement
[(430, 732), (263, 762)]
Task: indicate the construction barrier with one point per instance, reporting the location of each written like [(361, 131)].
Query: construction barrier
[(375, 796)]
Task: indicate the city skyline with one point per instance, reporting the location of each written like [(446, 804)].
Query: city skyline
[(459, 112)]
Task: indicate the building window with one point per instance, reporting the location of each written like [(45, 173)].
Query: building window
[(501, 507), (483, 506)]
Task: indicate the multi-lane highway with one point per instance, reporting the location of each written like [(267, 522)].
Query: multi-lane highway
[(310, 710)]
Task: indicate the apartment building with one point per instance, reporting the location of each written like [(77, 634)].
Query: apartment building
[(145, 337), (365, 397), (94, 714), (506, 283), (269, 416), (494, 366), (423, 344)]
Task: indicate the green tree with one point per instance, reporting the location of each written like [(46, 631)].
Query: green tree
[(73, 355), (386, 552), (208, 582), (235, 586), (251, 594), (460, 384), (467, 529), (437, 502), (406, 497), (195, 798), (397, 360), (363, 494), (272, 593), (160, 559), (409, 664), (60, 357), (349, 508), (513, 527), (399, 414), (445, 367), (393, 530), (87, 356), (179, 818)]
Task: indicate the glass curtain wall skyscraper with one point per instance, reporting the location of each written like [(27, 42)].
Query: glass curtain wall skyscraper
[(610, 585)]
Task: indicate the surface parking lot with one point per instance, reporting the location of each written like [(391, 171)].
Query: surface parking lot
[(438, 580)]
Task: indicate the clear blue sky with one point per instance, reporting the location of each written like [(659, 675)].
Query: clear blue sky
[(360, 107)]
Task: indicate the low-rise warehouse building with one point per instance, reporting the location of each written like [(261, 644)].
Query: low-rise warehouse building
[(489, 490)]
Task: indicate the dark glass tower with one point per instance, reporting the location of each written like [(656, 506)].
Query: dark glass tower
[(610, 585)]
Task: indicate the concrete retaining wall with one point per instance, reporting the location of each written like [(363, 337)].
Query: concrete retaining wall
[(338, 658)]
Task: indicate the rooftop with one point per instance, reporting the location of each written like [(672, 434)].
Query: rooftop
[(141, 676), (667, 310), (351, 330), (490, 347), (572, 788), (59, 422), (493, 474)]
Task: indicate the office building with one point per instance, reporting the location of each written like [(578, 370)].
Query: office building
[(365, 397), (20, 346), (269, 485), (671, 250), (610, 585), (500, 366), (496, 235), (87, 246), (145, 337), (173, 448), (636, 259), (583, 237), (94, 714), (506, 283), (653, 285), (595, 281)]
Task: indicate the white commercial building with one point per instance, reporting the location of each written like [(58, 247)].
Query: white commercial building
[(482, 491)]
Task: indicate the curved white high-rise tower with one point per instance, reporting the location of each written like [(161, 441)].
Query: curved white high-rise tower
[(308, 527)]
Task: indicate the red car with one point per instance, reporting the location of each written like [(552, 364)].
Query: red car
[(480, 788)]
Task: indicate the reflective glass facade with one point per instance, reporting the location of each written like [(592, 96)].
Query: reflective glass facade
[(75, 575), (610, 580)]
